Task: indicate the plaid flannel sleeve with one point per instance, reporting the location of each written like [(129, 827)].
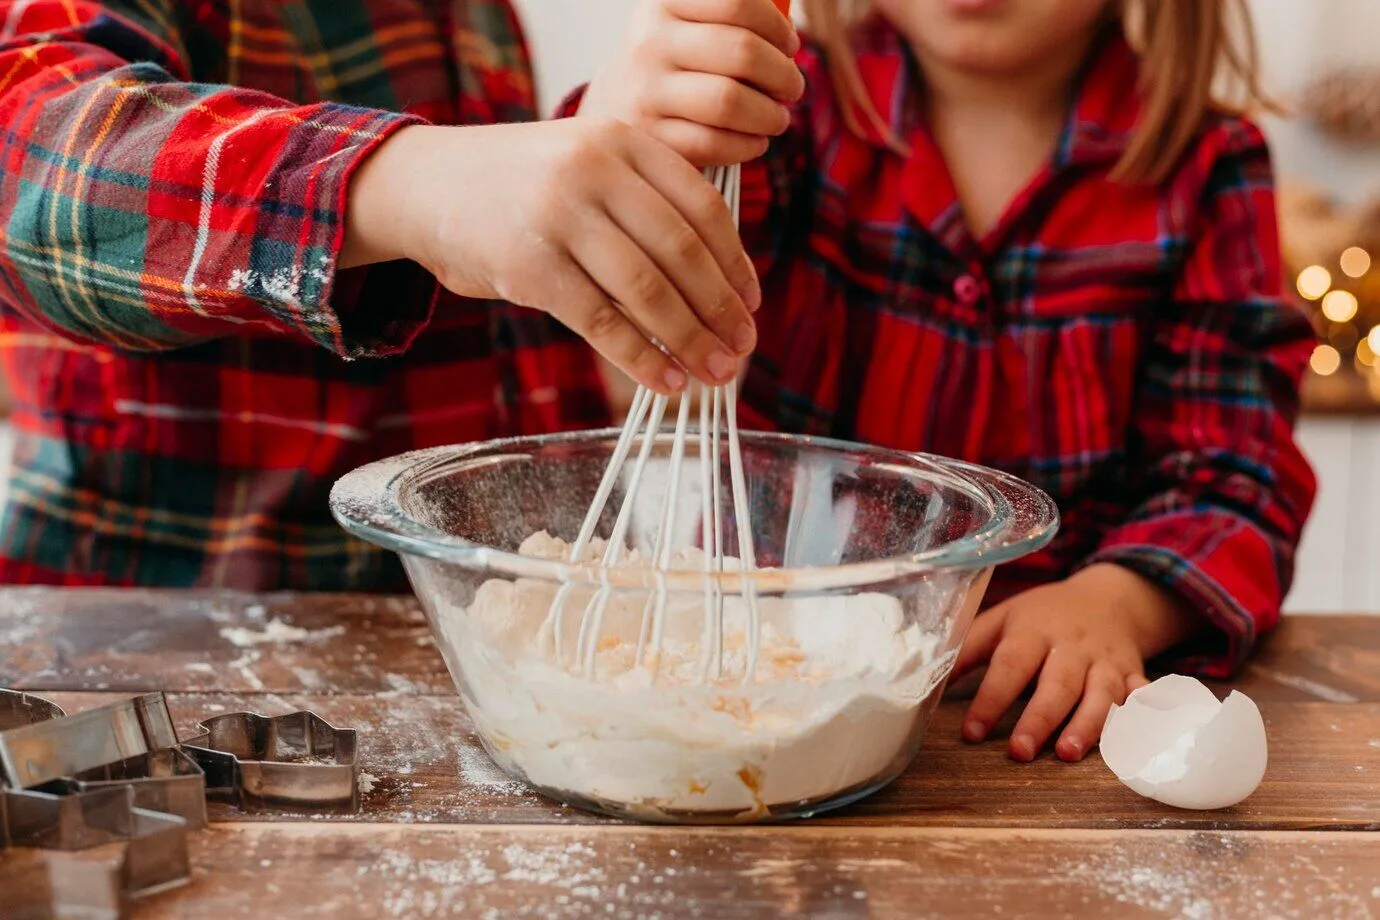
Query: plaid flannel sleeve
[(1225, 489), (142, 211)]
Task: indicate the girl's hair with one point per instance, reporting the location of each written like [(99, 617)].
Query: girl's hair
[(1197, 56)]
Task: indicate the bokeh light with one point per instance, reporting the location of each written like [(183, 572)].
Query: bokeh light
[(1313, 282), (1325, 361), (1339, 306), (1355, 262), (1364, 356)]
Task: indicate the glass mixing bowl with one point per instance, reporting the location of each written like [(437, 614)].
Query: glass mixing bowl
[(637, 693)]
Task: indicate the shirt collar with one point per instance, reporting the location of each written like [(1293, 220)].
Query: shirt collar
[(1099, 124)]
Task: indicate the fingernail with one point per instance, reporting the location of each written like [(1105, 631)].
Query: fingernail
[(793, 45), (675, 378), (1023, 746), (785, 117), (721, 365), (974, 730), (744, 338), (1074, 746)]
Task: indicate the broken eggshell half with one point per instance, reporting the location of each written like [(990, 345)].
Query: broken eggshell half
[(1175, 742)]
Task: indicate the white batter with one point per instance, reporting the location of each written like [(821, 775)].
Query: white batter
[(840, 687)]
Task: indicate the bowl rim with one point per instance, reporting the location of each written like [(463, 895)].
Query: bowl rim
[(366, 502)]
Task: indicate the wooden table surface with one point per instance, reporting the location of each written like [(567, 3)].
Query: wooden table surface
[(965, 832)]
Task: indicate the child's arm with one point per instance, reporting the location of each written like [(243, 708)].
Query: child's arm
[(1222, 489), (145, 212)]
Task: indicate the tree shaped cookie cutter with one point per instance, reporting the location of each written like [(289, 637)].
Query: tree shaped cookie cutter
[(296, 760)]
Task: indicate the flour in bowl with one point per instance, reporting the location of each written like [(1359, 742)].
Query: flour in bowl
[(842, 690)]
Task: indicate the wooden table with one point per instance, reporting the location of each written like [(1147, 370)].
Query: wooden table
[(965, 832)]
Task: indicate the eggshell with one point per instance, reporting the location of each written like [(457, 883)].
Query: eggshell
[(1174, 742)]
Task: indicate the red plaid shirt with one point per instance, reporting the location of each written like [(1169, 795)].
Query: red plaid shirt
[(1125, 348), (172, 180)]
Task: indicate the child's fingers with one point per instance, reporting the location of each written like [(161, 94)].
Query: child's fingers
[(1060, 687), (619, 264), (681, 254), (719, 102), (1105, 686), (982, 640), (736, 53), (588, 312), (706, 211), (761, 17), (1014, 665), (706, 146)]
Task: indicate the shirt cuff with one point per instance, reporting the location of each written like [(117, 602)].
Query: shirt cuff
[(1226, 580), (368, 312)]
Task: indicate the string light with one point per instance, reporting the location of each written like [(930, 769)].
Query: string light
[(1326, 360), (1314, 282), (1355, 262), (1364, 356), (1339, 306)]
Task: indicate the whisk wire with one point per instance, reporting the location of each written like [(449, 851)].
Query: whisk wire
[(718, 409)]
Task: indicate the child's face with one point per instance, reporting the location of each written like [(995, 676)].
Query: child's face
[(994, 37)]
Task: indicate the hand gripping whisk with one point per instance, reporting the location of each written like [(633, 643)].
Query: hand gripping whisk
[(717, 409)]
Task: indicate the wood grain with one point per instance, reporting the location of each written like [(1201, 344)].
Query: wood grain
[(429, 768), (134, 641), (187, 641), (505, 872), (442, 832)]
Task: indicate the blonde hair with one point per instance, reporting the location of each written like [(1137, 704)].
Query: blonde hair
[(1197, 57)]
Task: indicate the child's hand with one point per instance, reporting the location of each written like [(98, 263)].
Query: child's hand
[(1087, 638), (711, 79), (592, 221)]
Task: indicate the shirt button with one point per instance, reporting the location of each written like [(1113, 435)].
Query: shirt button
[(967, 290)]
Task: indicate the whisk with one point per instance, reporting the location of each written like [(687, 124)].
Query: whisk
[(718, 410)]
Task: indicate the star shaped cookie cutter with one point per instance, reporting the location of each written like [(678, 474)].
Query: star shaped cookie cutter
[(296, 760), (118, 773), (70, 815)]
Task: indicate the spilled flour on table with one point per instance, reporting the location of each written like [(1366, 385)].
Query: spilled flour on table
[(276, 631), (479, 881), (367, 782), (479, 771), (1202, 879)]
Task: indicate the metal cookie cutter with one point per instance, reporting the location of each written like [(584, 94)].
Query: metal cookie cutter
[(297, 760), (43, 751), (76, 815), (155, 856), (166, 781), (20, 709)]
